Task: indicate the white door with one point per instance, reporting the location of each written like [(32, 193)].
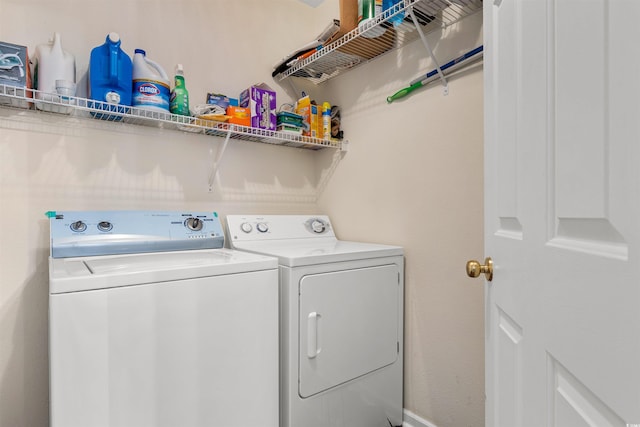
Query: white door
[(562, 212)]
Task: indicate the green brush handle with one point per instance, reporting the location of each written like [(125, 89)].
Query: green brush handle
[(403, 92)]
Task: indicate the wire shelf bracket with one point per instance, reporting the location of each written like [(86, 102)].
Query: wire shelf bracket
[(216, 163), (425, 42)]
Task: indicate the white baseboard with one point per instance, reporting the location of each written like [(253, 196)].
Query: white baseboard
[(412, 420)]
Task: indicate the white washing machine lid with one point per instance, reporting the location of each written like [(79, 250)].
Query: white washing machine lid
[(100, 272), (302, 252)]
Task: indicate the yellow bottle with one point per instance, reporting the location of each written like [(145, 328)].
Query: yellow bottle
[(326, 120)]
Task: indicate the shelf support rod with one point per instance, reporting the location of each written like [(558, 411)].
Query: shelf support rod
[(295, 90), (216, 163), (426, 45)]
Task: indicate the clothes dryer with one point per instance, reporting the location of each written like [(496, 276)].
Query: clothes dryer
[(153, 323), (341, 320)]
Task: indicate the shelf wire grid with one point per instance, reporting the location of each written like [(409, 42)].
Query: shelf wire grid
[(380, 36), (24, 98)]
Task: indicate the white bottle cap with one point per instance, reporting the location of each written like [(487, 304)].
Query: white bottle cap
[(179, 69), (114, 37)]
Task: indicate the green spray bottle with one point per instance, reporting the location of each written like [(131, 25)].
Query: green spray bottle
[(179, 103)]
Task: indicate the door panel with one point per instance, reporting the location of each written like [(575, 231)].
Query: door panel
[(348, 325), (509, 380), (572, 404), (578, 104), (562, 331), (580, 124), (506, 78)]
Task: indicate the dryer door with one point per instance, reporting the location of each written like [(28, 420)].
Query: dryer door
[(348, 325)]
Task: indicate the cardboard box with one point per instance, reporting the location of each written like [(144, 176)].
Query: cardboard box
[(239, 115), (261, 99), (15, 72), (303, 108), (218, 99), (316, 120)]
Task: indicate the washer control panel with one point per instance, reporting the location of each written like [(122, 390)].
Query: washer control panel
[(277, 227), (89, 233)]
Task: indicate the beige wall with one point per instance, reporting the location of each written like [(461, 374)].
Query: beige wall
[(412, 176)]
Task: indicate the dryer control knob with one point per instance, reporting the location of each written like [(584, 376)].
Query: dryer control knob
[(318, 226), (105, 226), (262, 227), (246, 227), (78, 226), (193, 224)]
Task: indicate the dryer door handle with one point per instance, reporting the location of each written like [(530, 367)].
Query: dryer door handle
[(313, 348)]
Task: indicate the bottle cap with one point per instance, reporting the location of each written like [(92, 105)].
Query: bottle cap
[(140, 51), (179, 69), (114, 37)]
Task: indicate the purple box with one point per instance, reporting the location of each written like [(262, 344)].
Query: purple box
[(262, 101)]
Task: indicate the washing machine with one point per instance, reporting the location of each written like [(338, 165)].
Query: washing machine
[(341, 320), (153, 323)]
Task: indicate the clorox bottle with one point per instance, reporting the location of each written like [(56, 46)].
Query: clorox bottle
[(151, 88)]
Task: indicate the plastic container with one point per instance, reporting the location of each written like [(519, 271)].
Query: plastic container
[(179, 103), (53, 63), (151, 88), (326, 120), (367, 11), (110, 76), (395, 6)]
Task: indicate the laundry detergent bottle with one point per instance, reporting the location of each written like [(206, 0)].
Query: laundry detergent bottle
[(151, 88), (110, 75), (53, 64)]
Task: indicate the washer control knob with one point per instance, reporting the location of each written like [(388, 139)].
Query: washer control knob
[(78, 226), (246, 227), (262, 227), (318, 226), (105, 226), (193, 224)]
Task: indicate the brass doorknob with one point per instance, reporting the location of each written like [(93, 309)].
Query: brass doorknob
[(475, 269)]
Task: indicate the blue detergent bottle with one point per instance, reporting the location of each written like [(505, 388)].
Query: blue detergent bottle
[(395, 5), (110, 77)]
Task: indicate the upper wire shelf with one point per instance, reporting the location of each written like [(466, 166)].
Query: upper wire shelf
[(355, 49), (91, 109)]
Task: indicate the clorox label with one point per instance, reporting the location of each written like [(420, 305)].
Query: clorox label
[(148, 89), (149, 93)]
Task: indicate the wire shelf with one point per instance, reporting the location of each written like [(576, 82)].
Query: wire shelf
[(358, 46), (20, 97)]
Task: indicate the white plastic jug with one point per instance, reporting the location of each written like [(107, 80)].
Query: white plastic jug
[(53, 64), (151, 88)]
